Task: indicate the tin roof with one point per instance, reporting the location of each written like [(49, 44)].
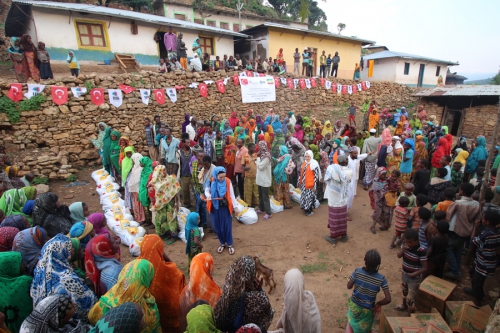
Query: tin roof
[(127, 14), (310, 32), (460, 90), (401, 55)]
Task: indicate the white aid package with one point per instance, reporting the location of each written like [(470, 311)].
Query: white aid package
[(295, 194), (135, 247), (100, 175), (181, 223), (127, 230), (112, 199), (276, 206), (247, 215)]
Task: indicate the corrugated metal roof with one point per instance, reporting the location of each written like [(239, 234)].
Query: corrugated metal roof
[(393, 54), (311, 32), (102, 10), (460, 90)]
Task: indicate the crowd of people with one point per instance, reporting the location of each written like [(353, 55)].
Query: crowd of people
[(67, 265)]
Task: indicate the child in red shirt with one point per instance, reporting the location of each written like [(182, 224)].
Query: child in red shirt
[(400, 221), (414, 220)]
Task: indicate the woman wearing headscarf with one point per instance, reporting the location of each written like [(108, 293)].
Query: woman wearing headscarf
[(243, 123), (18, 59), (381, 212), (79, 211), (438, 154), (103, 144), (326, 143), (132, 286), (335, 151), (220, 204), (167, 283), (373, 119), (300, 311), (114, 155), (234, 120), (83, 231), (201, 286), (308, 180), (284, 125), (127, 164), (281, 187), (276, 123), (53, 315), (415, 123), (124, 318), (15, 303), (461, 143), (300, 121), (229, 151), (99, 223), (147, 170), (406, 167), (200, 319), (193, 236), (54, 275), (252, 125), (7, 235), (462, 158), (12, 172), (279, 140), (478, 153), (17, 221), (49, 214), (227, 130), (29, 243), (420, 152), (197, 47), (242, 301), (293, 120), (394, 155), (12, 201), (132, 187), (31, 55), (186, 122), (298, 133), (297, 152)]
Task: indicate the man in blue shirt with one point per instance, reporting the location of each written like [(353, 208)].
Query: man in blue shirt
[(168, 151), (328, 65), (305, 61)]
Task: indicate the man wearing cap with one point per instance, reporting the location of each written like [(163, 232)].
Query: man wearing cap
[(353, 164), (305, 61), (170, 41), (370, 144)]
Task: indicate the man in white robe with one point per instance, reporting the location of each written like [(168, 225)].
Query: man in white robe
[(353, 164)]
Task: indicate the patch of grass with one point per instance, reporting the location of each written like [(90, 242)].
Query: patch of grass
[(32, 104), (41, 180), (328, 279), (71, 178), (341, 263), (322, 256), (412, 104), (315, 267)]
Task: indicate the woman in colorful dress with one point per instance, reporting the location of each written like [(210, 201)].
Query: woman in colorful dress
[(18, 59), (103, 145), (381, 212), (147, 170), (132, 286), (44, 57), (12, 201), (133, 188), (229, 151), (31, 55), (114, 155), (394, 155), (29, 243), (281, 185), (308, 181), (420, 152)]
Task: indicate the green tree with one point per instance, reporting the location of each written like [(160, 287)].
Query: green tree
[(281, 7), (203, 7), (317, 17), (496, 80), (340, 27)]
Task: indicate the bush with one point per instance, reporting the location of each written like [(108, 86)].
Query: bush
[(71, 178), (8, 107), (41, 180), (33, 103)]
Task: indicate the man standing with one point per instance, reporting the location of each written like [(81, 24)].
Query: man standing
[(338, 178), (296, 62), (312, 55), (370, 144), (185, 157), (353, 165), (170, 41), (238, 61), (168, 151), (218, 149), (181, 52), (305, 61), (322, 64), (335, 61), (208, 139), (191, 128), (150, 140)]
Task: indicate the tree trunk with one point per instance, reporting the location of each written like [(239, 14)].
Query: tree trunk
[(488, 164)]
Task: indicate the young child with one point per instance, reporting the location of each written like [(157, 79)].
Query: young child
[(393, 189), (74, 66), (408, 193), (162, 68), (449, 198), (367, 282), (414, 265), (457, 175), (445, 163), (193, 236), (493, 177), (217, 64), (437, 186), (414, 220), (488, 196), (436, 253), (487, 243), (478, 180), (425, 215), (400, 221), (352, 114)]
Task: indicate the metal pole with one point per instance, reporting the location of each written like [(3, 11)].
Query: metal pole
[(490, 159)]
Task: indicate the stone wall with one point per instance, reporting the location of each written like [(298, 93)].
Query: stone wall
[(480, 120), (433, 109), (66, 129)]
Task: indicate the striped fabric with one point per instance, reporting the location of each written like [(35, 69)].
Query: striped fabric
[(337, 221), (486, 258), (366, 287), (412, 258)]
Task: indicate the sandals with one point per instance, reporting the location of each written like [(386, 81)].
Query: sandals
[(372, 229), (258, 211), (221, 249), (330, 240), (267, 217), (231, 250)]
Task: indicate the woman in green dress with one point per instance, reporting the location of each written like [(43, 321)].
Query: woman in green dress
[(103, 143), (114, 155)]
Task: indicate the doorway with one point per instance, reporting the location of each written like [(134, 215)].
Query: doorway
[(315, 59), (421, 75)]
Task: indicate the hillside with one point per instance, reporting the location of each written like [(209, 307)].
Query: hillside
[(478, 82)]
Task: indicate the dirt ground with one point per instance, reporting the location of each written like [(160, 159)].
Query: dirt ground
[(288, 240)]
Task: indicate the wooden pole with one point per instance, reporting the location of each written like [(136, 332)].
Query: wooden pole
[(490, 159)]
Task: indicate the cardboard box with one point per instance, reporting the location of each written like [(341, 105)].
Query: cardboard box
[(430, 328), (452, 307), (395, 324), (410, 329), (433, 293), (470, 319), (432, 318), (387, 311)]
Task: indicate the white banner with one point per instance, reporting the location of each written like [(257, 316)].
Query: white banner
[(172, 93), (33, 90), (308, 84), (295, 83), (243, 74), (339, 88), (257, 89), (255, 74), (115, 97), (349, 89), (283, 81), (78, 91), (328, 85), (226, 79), (368, 84), (360, 87), (145, 94)]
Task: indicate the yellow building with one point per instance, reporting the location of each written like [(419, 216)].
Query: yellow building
[(268, 38)]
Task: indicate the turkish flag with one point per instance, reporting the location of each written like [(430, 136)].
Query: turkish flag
[(363, 85), (322, 81), (313, 82), (126, 89), (220, 86), (277, 82), (159, 96), (262, 75), (97, 96), (179, 87), (203, 90), (236, 79), (302, 83), (334, 87), (59, 95), (244, 81), (344, 89), (249, 73), (289, 82), (354, 88), (15, 92)]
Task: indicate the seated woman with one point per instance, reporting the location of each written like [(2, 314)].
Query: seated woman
[(17, 221), (49, 214), (29, 243), (54, 314), (15, 301), (300, 311), (84, 231), (16, 181), (242, 291), (167, 283), (54, 275), (201, 318), (12, 201), (7, 235), (28, 209), (127, 317), (99, 223), (79, 211), (132, 286), (101, 265), (201, 286)]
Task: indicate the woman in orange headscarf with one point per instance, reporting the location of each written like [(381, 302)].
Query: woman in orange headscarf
[(251, 128), (420, 152), (279, 57), (229, 152), (167, 283), (201, 286)]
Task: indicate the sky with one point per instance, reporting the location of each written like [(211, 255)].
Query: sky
[(454, 30)]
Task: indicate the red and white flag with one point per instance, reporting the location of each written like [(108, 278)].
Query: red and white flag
[(97, 96), (220, 86), (236, 79), (159, 96), (302, 83), (277, 82), (313, 82), (15, 92), (354, 88), (203, 90), (126, 89), (322, 81), (59, 94), (289, 82)]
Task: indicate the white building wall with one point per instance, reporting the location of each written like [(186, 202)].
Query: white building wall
[(384, 70)]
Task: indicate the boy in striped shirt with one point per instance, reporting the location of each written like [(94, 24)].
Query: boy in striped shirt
[(414, 265), (400, 221)]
